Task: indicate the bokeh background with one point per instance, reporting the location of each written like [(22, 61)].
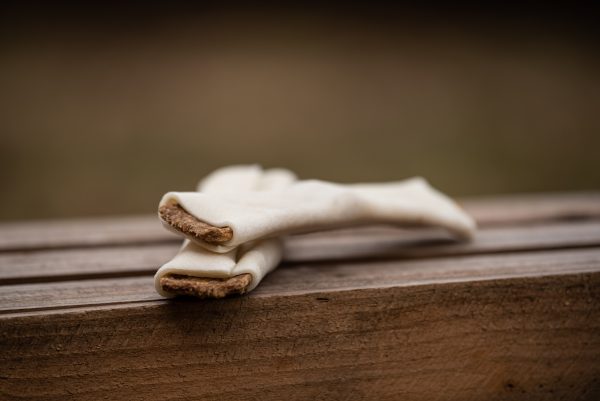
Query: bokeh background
[(106, 106)]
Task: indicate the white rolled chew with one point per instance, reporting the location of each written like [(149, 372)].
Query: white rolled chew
[(257, 259), (313, 205)]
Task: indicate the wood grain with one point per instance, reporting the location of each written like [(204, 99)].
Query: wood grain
[(396, 243), (519, 338), (366, 243), (314, 277), (101, 231), (77, 264), (371, 313), (504, 210), (531, 208)]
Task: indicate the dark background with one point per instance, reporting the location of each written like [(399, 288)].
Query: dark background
[(105, 106)]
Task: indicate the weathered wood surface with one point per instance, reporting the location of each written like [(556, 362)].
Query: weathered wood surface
[(376, 313), (361, 243), (314, 277)]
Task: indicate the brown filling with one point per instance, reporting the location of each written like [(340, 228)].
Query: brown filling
[(179, 219), (202, 287)]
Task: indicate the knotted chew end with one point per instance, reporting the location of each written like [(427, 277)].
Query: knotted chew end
[(178, 218), (202, 287)]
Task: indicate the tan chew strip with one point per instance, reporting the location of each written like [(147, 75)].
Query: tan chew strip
[(178, 218), (201, 287)]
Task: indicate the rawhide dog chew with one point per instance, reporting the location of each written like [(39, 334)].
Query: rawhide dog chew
[(196, 272), (220, 222)]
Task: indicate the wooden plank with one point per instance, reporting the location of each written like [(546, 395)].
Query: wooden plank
[(361, 243), (83, 263), (512, 209), (516, 314), (530, 208), (518, 338), (314, 277), (102, 231), (390, 242)]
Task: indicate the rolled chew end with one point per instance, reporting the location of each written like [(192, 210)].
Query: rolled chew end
[(178, 218), (201, 287)]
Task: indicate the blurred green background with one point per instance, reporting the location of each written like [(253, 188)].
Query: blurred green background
[(102, 110)]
